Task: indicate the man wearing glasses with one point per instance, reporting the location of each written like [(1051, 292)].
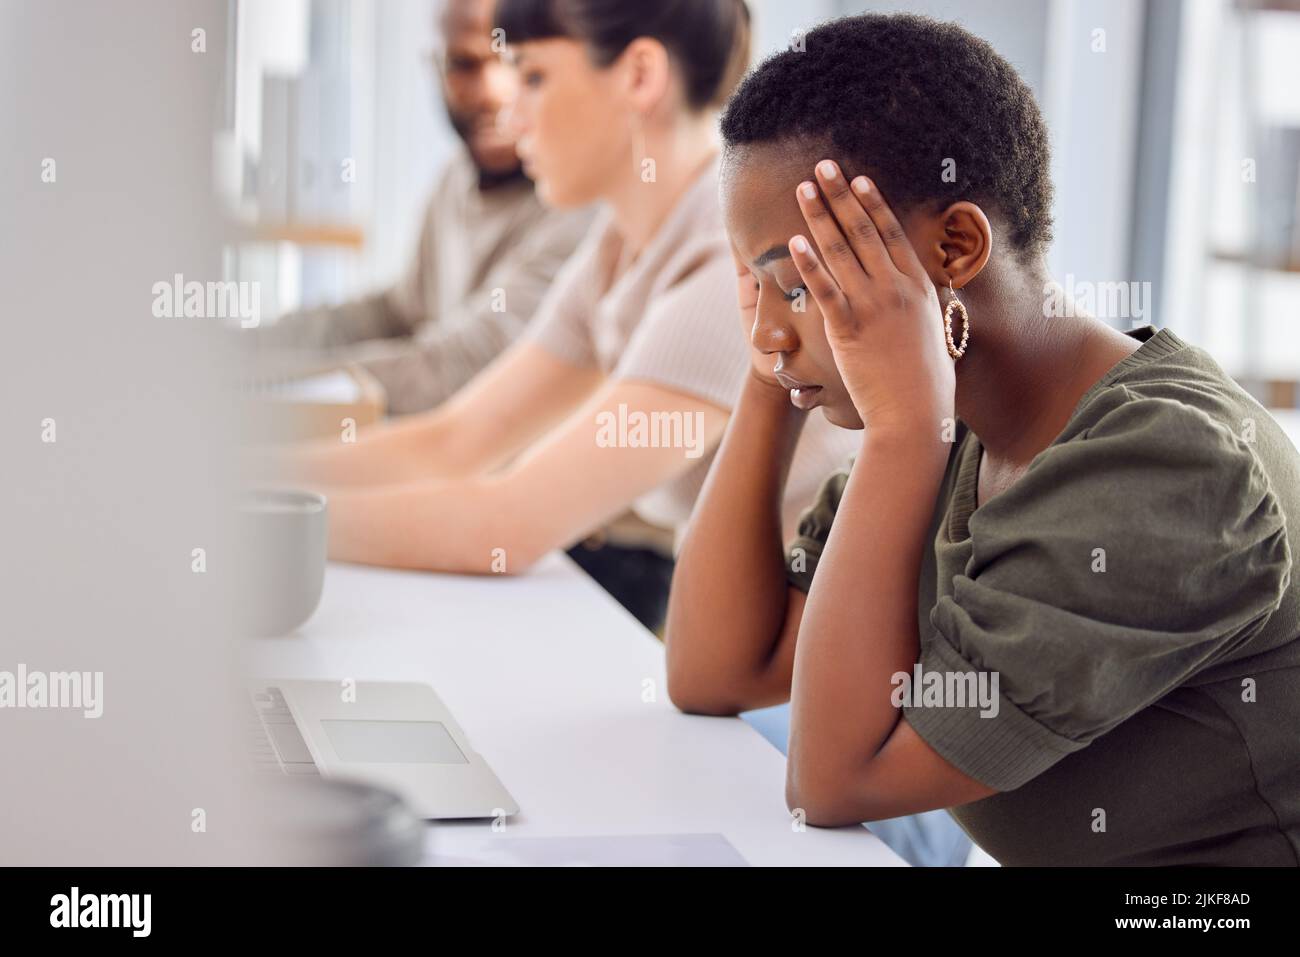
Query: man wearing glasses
[(487, 248)]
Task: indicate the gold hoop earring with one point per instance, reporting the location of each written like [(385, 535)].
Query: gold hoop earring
[(954, 303)]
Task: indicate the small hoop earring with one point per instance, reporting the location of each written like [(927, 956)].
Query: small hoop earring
[(954, 303)]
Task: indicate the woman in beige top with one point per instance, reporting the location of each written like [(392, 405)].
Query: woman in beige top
[(621, 387)]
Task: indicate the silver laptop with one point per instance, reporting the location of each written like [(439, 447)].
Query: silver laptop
[(398, 735)]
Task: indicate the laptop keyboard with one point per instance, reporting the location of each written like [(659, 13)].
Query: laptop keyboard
[(276, 743)]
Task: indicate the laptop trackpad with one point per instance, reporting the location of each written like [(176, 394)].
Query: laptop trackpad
[(392, 742)]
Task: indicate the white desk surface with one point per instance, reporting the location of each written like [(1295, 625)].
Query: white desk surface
[(546, 675)]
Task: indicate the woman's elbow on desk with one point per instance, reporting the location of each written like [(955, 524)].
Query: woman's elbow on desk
[(826, 792), (830, 790), (693, 690), (690, 699), (819, 800)]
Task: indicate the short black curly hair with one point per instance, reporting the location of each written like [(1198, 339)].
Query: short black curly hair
[(896, 96)]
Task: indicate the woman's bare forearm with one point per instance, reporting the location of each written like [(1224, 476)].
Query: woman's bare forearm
[(504, 522), (860, 624), (390, 453), (455, 525), (501, 412), (728, 607)]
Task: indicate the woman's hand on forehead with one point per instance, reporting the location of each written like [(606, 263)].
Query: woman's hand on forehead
[(880, 308)]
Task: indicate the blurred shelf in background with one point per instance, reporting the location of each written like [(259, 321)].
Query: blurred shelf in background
[(345, 235)]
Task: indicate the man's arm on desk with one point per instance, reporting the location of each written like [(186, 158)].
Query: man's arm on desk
[(422, 371), (381, 315)]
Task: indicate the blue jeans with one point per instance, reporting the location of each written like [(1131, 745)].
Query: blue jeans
[(930, 839)]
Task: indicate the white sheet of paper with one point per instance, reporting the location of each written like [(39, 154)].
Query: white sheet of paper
[(336, 387), (454, 846)]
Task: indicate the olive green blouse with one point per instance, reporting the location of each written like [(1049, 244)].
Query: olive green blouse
[(1133, 594)]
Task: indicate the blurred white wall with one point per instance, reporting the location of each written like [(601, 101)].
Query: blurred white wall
[(410, 136), (118, 436), (1089, 99)]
